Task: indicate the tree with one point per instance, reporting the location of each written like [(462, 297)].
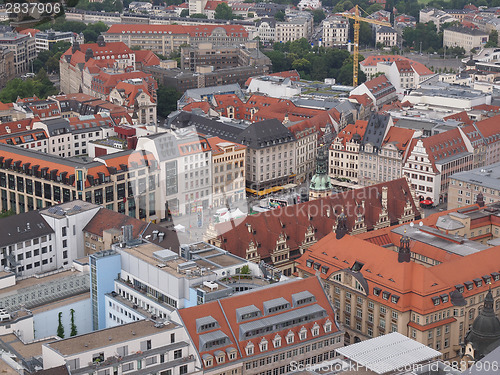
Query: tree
[(493, 39), (40, 85), (223, 12), (245, 270), (318, 15), (74, 331), (60, 327), (167, 100), (279, 16), (184, 13), (198, 15)]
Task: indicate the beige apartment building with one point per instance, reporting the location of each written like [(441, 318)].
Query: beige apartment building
[(293, 29), (164, 39), (375, 279), (228, 172), (344, 152), (386, 36), (126, 182), (23, 46), (466, 186), (464, 37), (335, 31)]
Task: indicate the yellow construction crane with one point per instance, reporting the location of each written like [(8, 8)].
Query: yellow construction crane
[(357, 18)]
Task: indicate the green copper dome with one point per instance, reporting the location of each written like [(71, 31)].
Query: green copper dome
[(321, 181)]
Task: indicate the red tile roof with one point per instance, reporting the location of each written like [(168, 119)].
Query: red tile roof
[(442, 146), (211, 5), (217, 150), (192, 30), (224, 312), (378, 85), (264, 229), (146, 58), (364, 99), (348, 132), (204, 106), (130, 92), (17, 126), (460, 116), (400, 137), (419, 68), (414, 283)]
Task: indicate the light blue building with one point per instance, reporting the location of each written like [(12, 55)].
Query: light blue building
[(105, 267)]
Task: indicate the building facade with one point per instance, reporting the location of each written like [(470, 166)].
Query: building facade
[(464, 37), (335, 32), (126, 182), (23, 46)]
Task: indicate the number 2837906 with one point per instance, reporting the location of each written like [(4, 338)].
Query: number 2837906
[(27, 8)]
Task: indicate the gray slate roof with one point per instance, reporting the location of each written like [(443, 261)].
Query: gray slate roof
[(23, 227)]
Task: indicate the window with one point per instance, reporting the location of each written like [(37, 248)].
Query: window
[(289, 337), (303, 334), (177, 353)]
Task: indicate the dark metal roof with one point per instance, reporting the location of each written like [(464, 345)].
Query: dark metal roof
[(23, 227)]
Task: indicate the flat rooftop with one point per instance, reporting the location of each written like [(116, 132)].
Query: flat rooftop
[(25, 351), (32, 281), (433, 237), (68, 209), (487, 177), (202, 255), (108, 336)]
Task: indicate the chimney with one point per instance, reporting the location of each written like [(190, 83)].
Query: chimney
[(155, 235), (161, 236), (480, 200)]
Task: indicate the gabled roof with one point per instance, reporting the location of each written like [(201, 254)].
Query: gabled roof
[(460, 116), (380, 86), (364, 99), (233, 329), (264, 229), (146, 58), (346, 134), (400, 137), (17, 126), (130, 91), (442, 146)]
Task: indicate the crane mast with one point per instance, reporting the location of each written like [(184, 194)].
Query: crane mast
[(357, 18)]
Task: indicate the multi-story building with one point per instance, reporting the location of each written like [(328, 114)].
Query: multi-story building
[(386, 36), (186, 169), (386, 161), (266, 29), (222, 57), (147, 346), (266, 330), (23, 47), (293, 29), (228, 172), (430, 161), (198, 274), (464, 37), (69, 136), (134, 95), (164, 39), (377, 284), (45, 39), (7, 66), (485, 139), (184, 80), (344, 152), (465, 186), (335, 31), (437, 16), (96, 68), (280, 238), (40, 109), (373, 65), (379, 89), (126, 181)]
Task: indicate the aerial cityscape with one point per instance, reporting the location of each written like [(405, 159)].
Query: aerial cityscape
[(250, 187)]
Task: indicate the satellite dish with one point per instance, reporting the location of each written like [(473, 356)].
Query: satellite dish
[(421, 224), (412, 224)]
